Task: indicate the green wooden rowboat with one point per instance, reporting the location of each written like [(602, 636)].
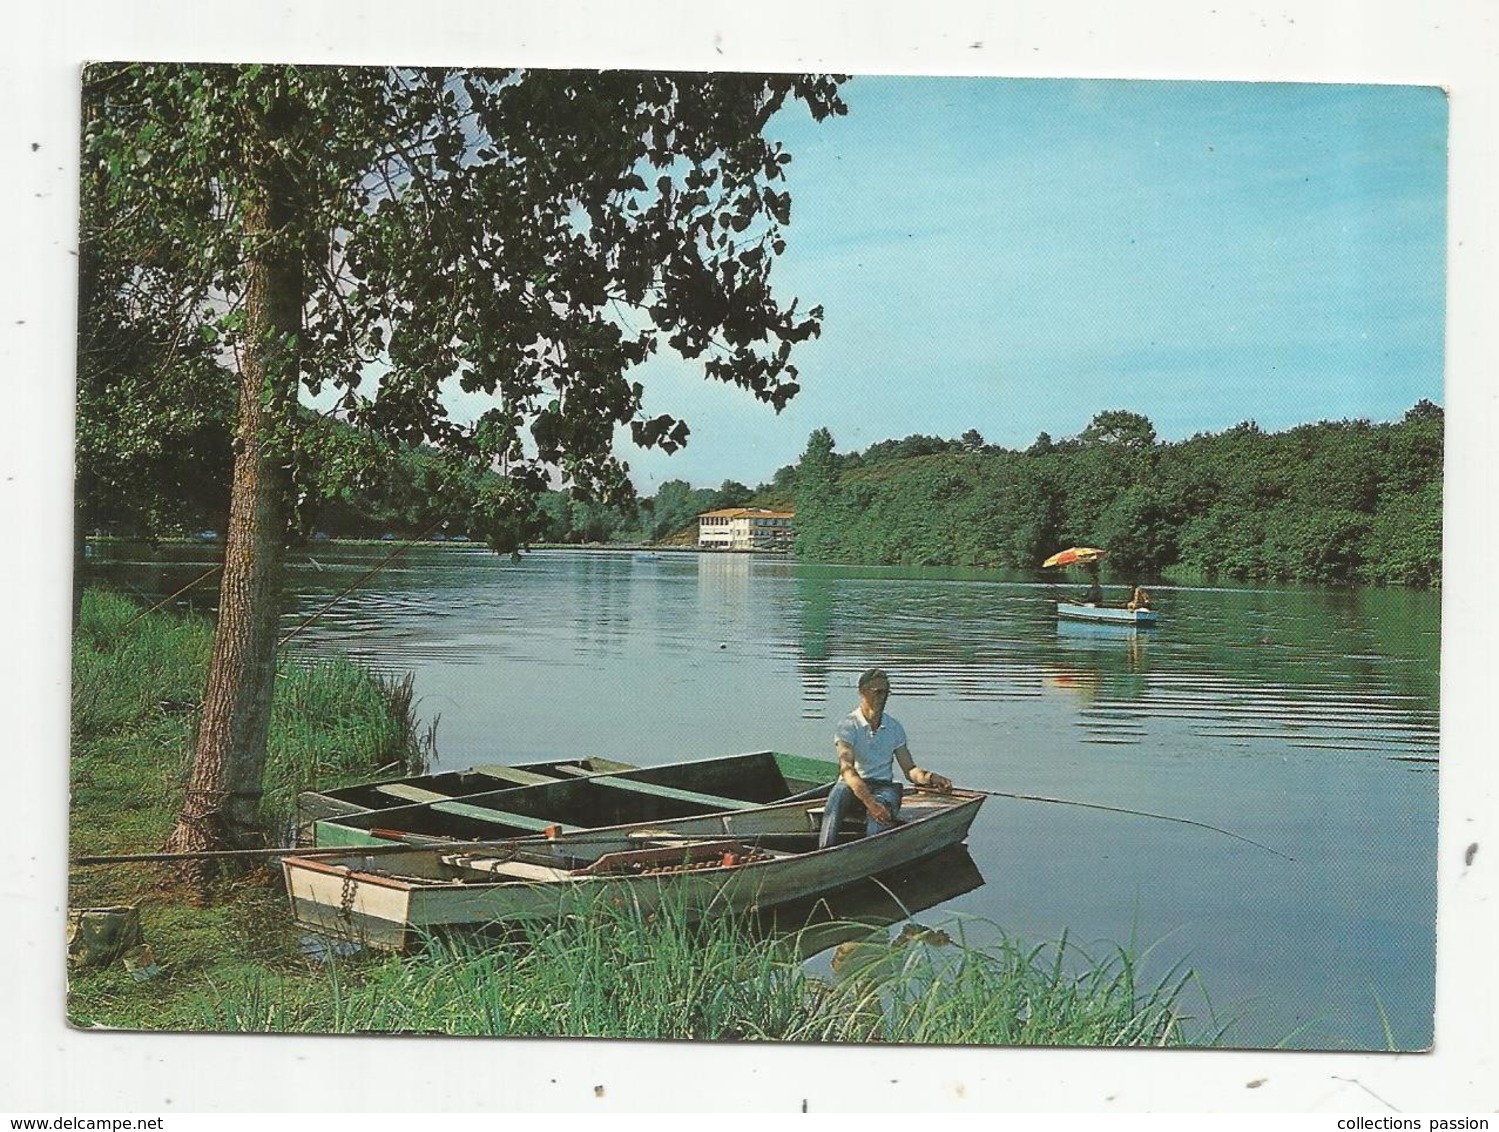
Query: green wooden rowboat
[(730, 861), (319, 805)]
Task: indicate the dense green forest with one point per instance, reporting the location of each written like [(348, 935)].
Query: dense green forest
[(1330, 502)]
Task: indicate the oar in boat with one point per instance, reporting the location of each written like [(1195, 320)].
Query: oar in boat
[(253, 854), (396, 841)]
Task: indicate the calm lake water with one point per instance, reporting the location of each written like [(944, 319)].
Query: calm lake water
[(1304, 719)]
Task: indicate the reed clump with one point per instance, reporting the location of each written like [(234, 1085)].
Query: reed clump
[(137, 682)]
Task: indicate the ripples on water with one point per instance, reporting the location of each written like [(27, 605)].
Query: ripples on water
[(1240, 667), (1313, 671)]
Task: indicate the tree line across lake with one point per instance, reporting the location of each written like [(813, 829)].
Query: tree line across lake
[(1330, 502)]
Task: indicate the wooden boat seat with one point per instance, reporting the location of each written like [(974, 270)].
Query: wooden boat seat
[(676, 794), (517, 776), (503, 817), (853, 818), (410, 793), (590, 766)]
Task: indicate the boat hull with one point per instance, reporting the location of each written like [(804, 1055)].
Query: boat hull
[(1106, 614), (392, 900)]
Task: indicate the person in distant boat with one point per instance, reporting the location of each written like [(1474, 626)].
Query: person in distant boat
[(869, 744), (1138, 600), (1094, 596)]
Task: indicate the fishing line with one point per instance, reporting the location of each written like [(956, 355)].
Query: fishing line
[(1122, 810)]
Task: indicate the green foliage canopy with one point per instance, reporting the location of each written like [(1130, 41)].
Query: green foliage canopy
[(527, 235)]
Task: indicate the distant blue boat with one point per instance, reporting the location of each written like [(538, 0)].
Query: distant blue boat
[(1106, 614)]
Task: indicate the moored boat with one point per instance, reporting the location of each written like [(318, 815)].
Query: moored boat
[(1106, 614), (568, 797), (731, 861)]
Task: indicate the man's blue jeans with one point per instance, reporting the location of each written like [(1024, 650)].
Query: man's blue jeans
[(841, 797)]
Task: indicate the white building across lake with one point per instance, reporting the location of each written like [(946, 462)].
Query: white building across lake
[(744, 528)]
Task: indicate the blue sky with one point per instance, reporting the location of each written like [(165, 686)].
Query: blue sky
[(1016, 255)]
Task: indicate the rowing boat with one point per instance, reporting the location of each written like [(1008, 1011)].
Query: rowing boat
[(728, 862), (1106, 614), (566, 797)]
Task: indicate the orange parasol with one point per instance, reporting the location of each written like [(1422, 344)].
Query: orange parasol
[(1073, 555)]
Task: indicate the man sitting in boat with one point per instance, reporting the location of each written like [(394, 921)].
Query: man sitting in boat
[(1094, 596), (1138, 600), (869, 743)]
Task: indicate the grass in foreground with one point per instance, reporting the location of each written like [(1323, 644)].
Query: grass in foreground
[(619, 974)]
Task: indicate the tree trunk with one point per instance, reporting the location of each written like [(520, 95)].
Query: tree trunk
[(221, 807)]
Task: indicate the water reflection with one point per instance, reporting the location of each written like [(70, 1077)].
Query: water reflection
[(863, 911), (1344, 671), (1236, 664)]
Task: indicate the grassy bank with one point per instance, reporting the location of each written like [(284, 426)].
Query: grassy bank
[(616, 974), (236, 962), (136, 683)]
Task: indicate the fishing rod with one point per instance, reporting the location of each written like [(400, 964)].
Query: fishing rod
[(359, 581), (201, 577), (238, 854), (366, 576), (1117, 810), (391, 842), (395, 841)]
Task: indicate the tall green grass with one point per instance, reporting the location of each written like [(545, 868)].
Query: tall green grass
[(137, 680), (618, 973), (137, 683), (334, 723), (1006, 993)]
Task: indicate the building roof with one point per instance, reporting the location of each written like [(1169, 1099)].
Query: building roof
[(747, 513)]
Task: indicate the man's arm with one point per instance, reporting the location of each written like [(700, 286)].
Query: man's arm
[(920, 776), (851, 779)]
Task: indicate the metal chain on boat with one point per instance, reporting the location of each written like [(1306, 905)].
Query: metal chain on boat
[(346, 898)]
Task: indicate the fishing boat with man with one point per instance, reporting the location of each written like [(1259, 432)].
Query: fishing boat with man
[(401, 888), (1093, 608), (1107, 614)]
